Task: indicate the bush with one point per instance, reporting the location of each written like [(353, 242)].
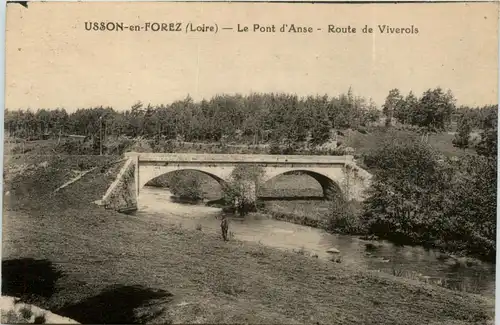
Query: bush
[(117, 145), (141, 145), (419, 197), (345, 217), (165, 146), (240, 191), (407, 192), (186, 185), (70, 147), (469, 224)]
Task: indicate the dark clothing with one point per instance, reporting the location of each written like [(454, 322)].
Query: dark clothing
[(224, 227)]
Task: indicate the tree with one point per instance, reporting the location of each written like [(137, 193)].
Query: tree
[(240, 192), (320, 131), (371, 114), (435, 109), (489, 139), (392, 103), (407, 192), (488, 145), (462, 136), (406, 110), (185, 185), (469, 222)]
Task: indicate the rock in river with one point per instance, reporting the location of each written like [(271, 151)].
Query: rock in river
[(333, 250)]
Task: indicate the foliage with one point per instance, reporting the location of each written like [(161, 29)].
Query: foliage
[(345, 217), (463, 133), (406, 108), (256, 118), (469, 221), (488, 146), (432, 111), (407, 186), (480, 117), (435, 109), (185, 185), (240, 191), (419, 197), (392, 103)]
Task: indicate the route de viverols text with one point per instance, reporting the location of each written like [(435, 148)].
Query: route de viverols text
[(189, 27)]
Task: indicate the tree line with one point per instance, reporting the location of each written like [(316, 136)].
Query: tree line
[(255, 118)]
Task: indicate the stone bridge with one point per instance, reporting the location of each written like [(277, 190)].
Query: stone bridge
[(335, 174)]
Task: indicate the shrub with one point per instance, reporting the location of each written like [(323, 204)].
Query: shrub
[(70, 147), (240, 191), (419, 197), (164, 146), (345, 217), (407, 192), (117, 145), (186, 185), (141, 145)]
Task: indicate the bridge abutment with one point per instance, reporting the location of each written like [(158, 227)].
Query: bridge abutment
[(121, 196)]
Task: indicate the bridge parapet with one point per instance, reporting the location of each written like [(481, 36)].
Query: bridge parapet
[(240, 158)]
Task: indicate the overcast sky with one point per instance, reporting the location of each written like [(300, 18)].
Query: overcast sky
[(52, 61)]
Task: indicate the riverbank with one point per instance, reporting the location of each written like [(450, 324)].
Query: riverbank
[(318, 218), (283, 199), (100, 266)]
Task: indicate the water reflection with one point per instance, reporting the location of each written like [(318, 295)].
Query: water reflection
[(155, 204)]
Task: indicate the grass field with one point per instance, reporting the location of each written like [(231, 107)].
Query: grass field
[(442, 142), (98, 266)]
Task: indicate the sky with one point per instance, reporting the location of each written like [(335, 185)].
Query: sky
[(53, 62)]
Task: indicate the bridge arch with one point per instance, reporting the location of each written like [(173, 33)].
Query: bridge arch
[(213, 176), (149, 173), (330, 187)]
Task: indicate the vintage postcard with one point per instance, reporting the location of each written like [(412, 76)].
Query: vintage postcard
[(279, 163)]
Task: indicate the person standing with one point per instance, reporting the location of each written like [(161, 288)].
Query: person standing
[(224, 226)]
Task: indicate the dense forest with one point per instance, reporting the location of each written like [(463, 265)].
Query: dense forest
[(255, 118)]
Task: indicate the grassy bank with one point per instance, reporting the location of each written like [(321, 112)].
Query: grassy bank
[(306, 213), (103, 267)]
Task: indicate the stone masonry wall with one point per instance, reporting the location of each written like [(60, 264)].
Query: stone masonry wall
[(121, 195), (356, 182)]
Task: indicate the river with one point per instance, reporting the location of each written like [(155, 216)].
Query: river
[(156, 204)]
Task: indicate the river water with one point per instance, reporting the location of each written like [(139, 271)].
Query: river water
[(416, 262)]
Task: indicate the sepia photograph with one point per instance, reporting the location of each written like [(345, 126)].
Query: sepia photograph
[(250, 163)]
